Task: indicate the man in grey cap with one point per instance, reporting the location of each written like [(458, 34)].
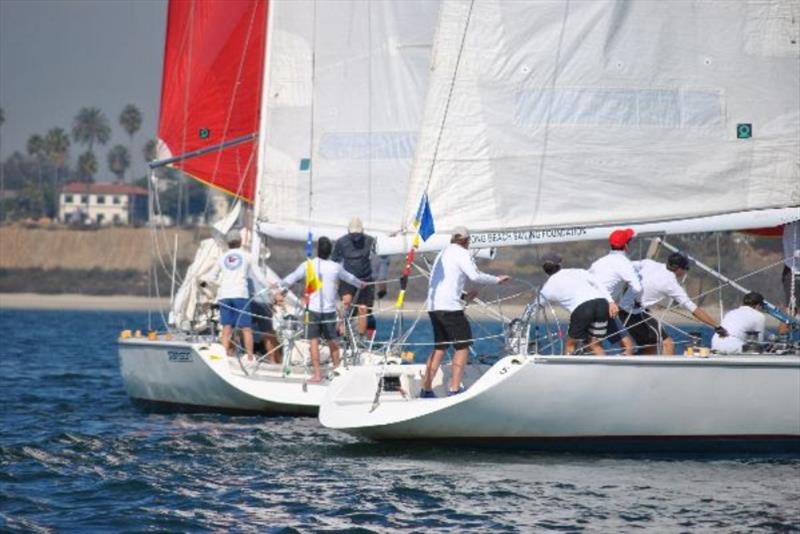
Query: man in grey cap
[(589, 304), (356, 251), (231, 273), (451, 270)]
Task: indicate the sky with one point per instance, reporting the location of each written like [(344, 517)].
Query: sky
[(57, 56)]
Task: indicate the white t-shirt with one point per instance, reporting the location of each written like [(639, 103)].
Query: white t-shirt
[(451, 269), (658, 283), (738, 322), (329, 272), (791, 245), (615, 271), (231, 273), (572, 287)]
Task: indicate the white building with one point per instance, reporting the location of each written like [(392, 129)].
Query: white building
[(102, 204)]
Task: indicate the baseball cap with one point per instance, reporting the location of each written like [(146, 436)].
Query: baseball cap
[(551, 258), (460, 231), (620, 238), (233, 235), (355, 226), (676, 260)]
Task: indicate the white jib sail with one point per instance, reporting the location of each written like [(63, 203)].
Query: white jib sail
[(558, 114), (343, 105)]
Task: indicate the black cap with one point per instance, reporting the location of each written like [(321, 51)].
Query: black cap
[(676, 260), (551, 258), (753, 299)]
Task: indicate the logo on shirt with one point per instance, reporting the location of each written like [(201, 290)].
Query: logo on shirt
[(233, 261)]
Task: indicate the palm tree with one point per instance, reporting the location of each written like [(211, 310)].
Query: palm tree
[(36, 150), (57, 147), (119, 159), (131, 121), (87, 166), (90, 126), (149, 150)]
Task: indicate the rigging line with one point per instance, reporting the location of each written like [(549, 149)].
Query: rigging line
[(546, 137), (233, 98), (369, 113), (312, 163), (449, 97)]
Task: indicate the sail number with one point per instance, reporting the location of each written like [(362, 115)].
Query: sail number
[(180, 356)]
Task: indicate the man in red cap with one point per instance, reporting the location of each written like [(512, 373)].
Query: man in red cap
[(616, 274)]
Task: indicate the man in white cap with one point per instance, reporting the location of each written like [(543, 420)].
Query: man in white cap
[(451, 269), (231, 272), (355, 251)]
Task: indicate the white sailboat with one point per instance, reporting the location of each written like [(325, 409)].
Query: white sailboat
[(558, 121), (244, 83)]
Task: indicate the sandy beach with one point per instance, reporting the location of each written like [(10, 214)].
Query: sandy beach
[(35, 301)]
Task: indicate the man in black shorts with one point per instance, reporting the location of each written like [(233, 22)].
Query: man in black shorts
[(451, 270), (588, 302), (355, 252)]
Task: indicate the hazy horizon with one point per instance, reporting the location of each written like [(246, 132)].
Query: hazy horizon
[(59, 56)]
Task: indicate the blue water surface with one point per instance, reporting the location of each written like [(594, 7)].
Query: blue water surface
[(76, 455)]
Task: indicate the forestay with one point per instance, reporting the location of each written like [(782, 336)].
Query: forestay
[(565, 114), (345, 88)]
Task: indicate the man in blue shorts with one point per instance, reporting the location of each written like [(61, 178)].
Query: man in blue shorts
[(231, 273)]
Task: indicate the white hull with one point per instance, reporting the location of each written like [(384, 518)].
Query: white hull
[(198, 375), (558, 399)]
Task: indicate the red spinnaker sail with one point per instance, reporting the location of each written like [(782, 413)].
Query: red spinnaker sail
[(211, 89)]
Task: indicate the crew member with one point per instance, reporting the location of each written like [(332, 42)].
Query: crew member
[(791, 271), (322, 302), (451, 269), (659, 281), (616, 273), (231, 273), (588, 302), (355, 251), (739, 322)]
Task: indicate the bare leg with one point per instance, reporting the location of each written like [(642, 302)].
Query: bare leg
[(226, 338), (668, 346), (362, 319), (314, 350), (596, 347), (570, 345), (347, 300), (273, 348), (459, 362), (431, 367), (247, 333), (627, 345), (334, 353)]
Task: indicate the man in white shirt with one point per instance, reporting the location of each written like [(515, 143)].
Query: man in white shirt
[(451, 269), (589, 304), (616, 274), (739, 322), (322, 302), (231, 272), (791, 270), (659, 281)]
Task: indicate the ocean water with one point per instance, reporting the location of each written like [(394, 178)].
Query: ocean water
[(76, 455)]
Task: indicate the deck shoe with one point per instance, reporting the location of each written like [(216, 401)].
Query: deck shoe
[(456, 392), (426, 394)]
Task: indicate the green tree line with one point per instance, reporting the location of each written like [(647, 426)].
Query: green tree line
[(30, 181)]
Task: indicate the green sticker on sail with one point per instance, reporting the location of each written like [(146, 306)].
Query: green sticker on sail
[(305, 164), (744, 131), (205, 133)]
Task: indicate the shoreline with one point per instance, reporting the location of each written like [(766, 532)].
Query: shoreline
[(71, 301)]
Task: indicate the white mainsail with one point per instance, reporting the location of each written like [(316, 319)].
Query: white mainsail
[(569, 114), (342, 114)]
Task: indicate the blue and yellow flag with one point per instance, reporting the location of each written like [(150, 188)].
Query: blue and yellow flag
[(313, 283)]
